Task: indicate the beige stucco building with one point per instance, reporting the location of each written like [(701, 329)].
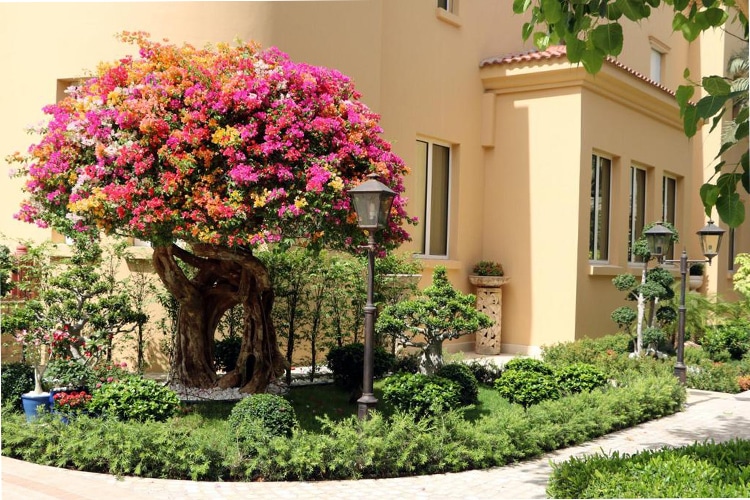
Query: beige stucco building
[(516, 156)]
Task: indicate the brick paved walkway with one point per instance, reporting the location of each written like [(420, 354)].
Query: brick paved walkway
[(708, 416)]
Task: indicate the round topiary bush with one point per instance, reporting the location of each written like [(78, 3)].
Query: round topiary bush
[(528, 365), (134, 398), (346, 364), (274, 414), (464, 377), (17, 379), (421, 395), (579, 377), (527, 387)]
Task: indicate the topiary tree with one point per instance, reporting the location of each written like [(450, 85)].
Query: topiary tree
[(438, 314), (650, 294), (209, 154)]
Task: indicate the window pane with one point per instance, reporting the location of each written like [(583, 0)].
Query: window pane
[(439, 200), (656, 58), (600, 199), (637, 208), (669, 197), (418, 202)]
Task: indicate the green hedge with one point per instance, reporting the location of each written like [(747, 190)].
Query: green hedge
[(705, 470), (378, 447)]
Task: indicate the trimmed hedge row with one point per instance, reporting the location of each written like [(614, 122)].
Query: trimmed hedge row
[(706, 470), (379, 447)]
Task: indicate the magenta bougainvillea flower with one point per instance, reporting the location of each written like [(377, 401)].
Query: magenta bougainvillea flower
[(231, 146)]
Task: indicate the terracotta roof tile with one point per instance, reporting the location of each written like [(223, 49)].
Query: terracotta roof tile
[(558, 52)]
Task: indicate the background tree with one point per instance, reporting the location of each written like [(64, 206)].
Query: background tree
[(438, 314), (6, 271), (591, 31), (209, 154)]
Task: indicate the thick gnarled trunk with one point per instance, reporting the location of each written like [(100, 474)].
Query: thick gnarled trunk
[(223, 280)]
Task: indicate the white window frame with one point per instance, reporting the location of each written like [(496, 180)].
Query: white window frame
[(597, 165), (426, 223)]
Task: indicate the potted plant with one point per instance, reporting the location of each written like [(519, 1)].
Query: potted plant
[(696, 275), (36, 345), (487, 273)]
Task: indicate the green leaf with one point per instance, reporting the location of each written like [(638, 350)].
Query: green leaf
[(717, 120), (614, 12), (592, 60), (716, 85), (574, 48), (710, 105), (683, 96), (520, 6), (710, 18), (541, 40), (552, 11), (731, 209), (526, 31), (677, 21), (745, 180), (690, 31), (635, 10), (690, 121), (681, 4), (608, 38), (709, 194), (741, 131)]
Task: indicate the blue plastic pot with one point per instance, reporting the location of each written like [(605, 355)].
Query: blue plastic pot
[(35, 404)]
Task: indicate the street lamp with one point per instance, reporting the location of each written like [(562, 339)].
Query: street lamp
[(372, 202), (658, 238)]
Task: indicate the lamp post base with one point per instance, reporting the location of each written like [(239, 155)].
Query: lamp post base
[(365, 404), (680, 371)]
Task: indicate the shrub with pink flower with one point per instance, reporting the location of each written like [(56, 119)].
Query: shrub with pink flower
[(71, 402), (225, 150)]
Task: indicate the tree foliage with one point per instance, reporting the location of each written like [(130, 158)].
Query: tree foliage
[(438, 314), (209, 154), (591, 31)]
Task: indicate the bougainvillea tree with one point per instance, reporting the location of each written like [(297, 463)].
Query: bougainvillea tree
[(209, 154)]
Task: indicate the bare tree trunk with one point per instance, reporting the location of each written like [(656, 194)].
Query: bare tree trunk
[(431, 357), (224, 279)]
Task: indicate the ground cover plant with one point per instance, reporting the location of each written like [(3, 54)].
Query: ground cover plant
[(200, 443), (701, 470)]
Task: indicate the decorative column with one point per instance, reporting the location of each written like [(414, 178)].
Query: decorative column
[(490, 302)]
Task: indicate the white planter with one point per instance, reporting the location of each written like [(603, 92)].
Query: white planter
[(695, 282)]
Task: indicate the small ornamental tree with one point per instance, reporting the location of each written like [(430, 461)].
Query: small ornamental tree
[(655, 287), (438, 314), (209, 154)]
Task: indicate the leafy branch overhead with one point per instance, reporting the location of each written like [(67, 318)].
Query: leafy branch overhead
[(591, 31)]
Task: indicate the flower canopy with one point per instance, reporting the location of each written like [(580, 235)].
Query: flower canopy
[(232, 146)]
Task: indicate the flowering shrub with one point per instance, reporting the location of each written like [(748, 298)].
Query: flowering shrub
[(71, 402), (232, 146)]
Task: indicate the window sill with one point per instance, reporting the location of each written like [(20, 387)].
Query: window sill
[(431, 262), (602, 269), (448, 17)]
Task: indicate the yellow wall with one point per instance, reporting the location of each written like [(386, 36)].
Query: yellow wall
[(522, 133)]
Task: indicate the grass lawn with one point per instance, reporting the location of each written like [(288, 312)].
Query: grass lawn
[(314, 401)]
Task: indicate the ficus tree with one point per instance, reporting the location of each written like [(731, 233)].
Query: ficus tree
[(209, 154), (438, 313), (591, 31)]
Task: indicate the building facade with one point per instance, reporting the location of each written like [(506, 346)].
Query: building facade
[(516, 155)]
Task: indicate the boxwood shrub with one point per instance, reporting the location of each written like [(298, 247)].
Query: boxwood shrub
[(346, 364), (527, 387), (134, 398), (701, 470), (463, 376), (274, 414), (421, 395), (579, 377)]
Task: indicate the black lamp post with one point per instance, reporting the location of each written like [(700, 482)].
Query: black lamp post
[(658, 238), (372, 202)]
